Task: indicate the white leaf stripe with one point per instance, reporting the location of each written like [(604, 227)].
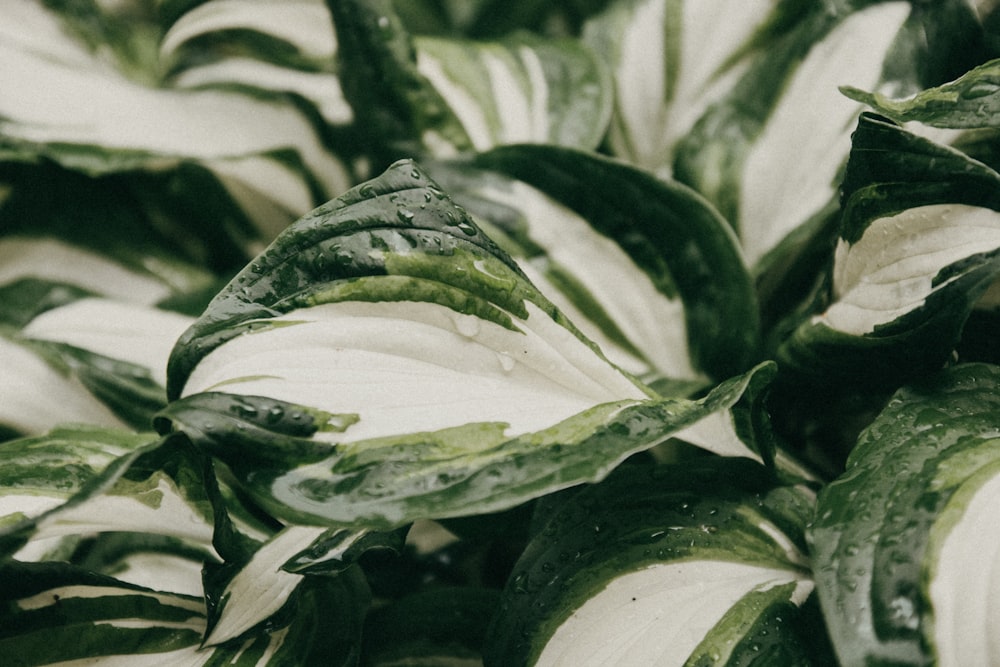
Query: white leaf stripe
[(660, 614), (170, 515), (305, 24), (162, 124), (410, 367), (812, 124), (261, 588), (669, 67), (964, 576), (57, 261), (52, 595), (139, 335), (35, 397), (510, 92), (891, 269), (653, 323)]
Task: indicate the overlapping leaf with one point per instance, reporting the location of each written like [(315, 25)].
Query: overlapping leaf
[(919, 244), (77, 481), (696, 564), (81, 358), (904, 541), (689, 309), (275, 161), (410, 370), (457, 95), (54, 613)]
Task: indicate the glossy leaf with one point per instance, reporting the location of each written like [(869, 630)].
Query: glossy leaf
[(485, 395), (662, 565), (970, 101), (919, 244), (901, 538)]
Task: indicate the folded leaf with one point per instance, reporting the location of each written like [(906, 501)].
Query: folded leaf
[(920, 242), (696, 564), (394, 287), (901, 539)]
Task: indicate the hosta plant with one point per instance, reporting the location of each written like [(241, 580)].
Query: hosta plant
[(597, 332)]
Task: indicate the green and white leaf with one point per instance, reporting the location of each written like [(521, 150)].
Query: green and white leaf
[(275, 451), (745, 153), (94, 356), (904, 541), (812, 124), (451, 95), (408, 366), (139, 335), (920, 243), (43, 472), (971, 101), (53, 260), (523, 89), (670, 61), (260, 588), (397, 296), (250, 591), (245, 139), (286, 47), (36, 395), (87, 480), (696, 564), (56, 614), (649, 263)]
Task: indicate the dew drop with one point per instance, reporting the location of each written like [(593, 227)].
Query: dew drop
[(903, 613), (404, 215), (467, 325), (247, 411), (507, 362)]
